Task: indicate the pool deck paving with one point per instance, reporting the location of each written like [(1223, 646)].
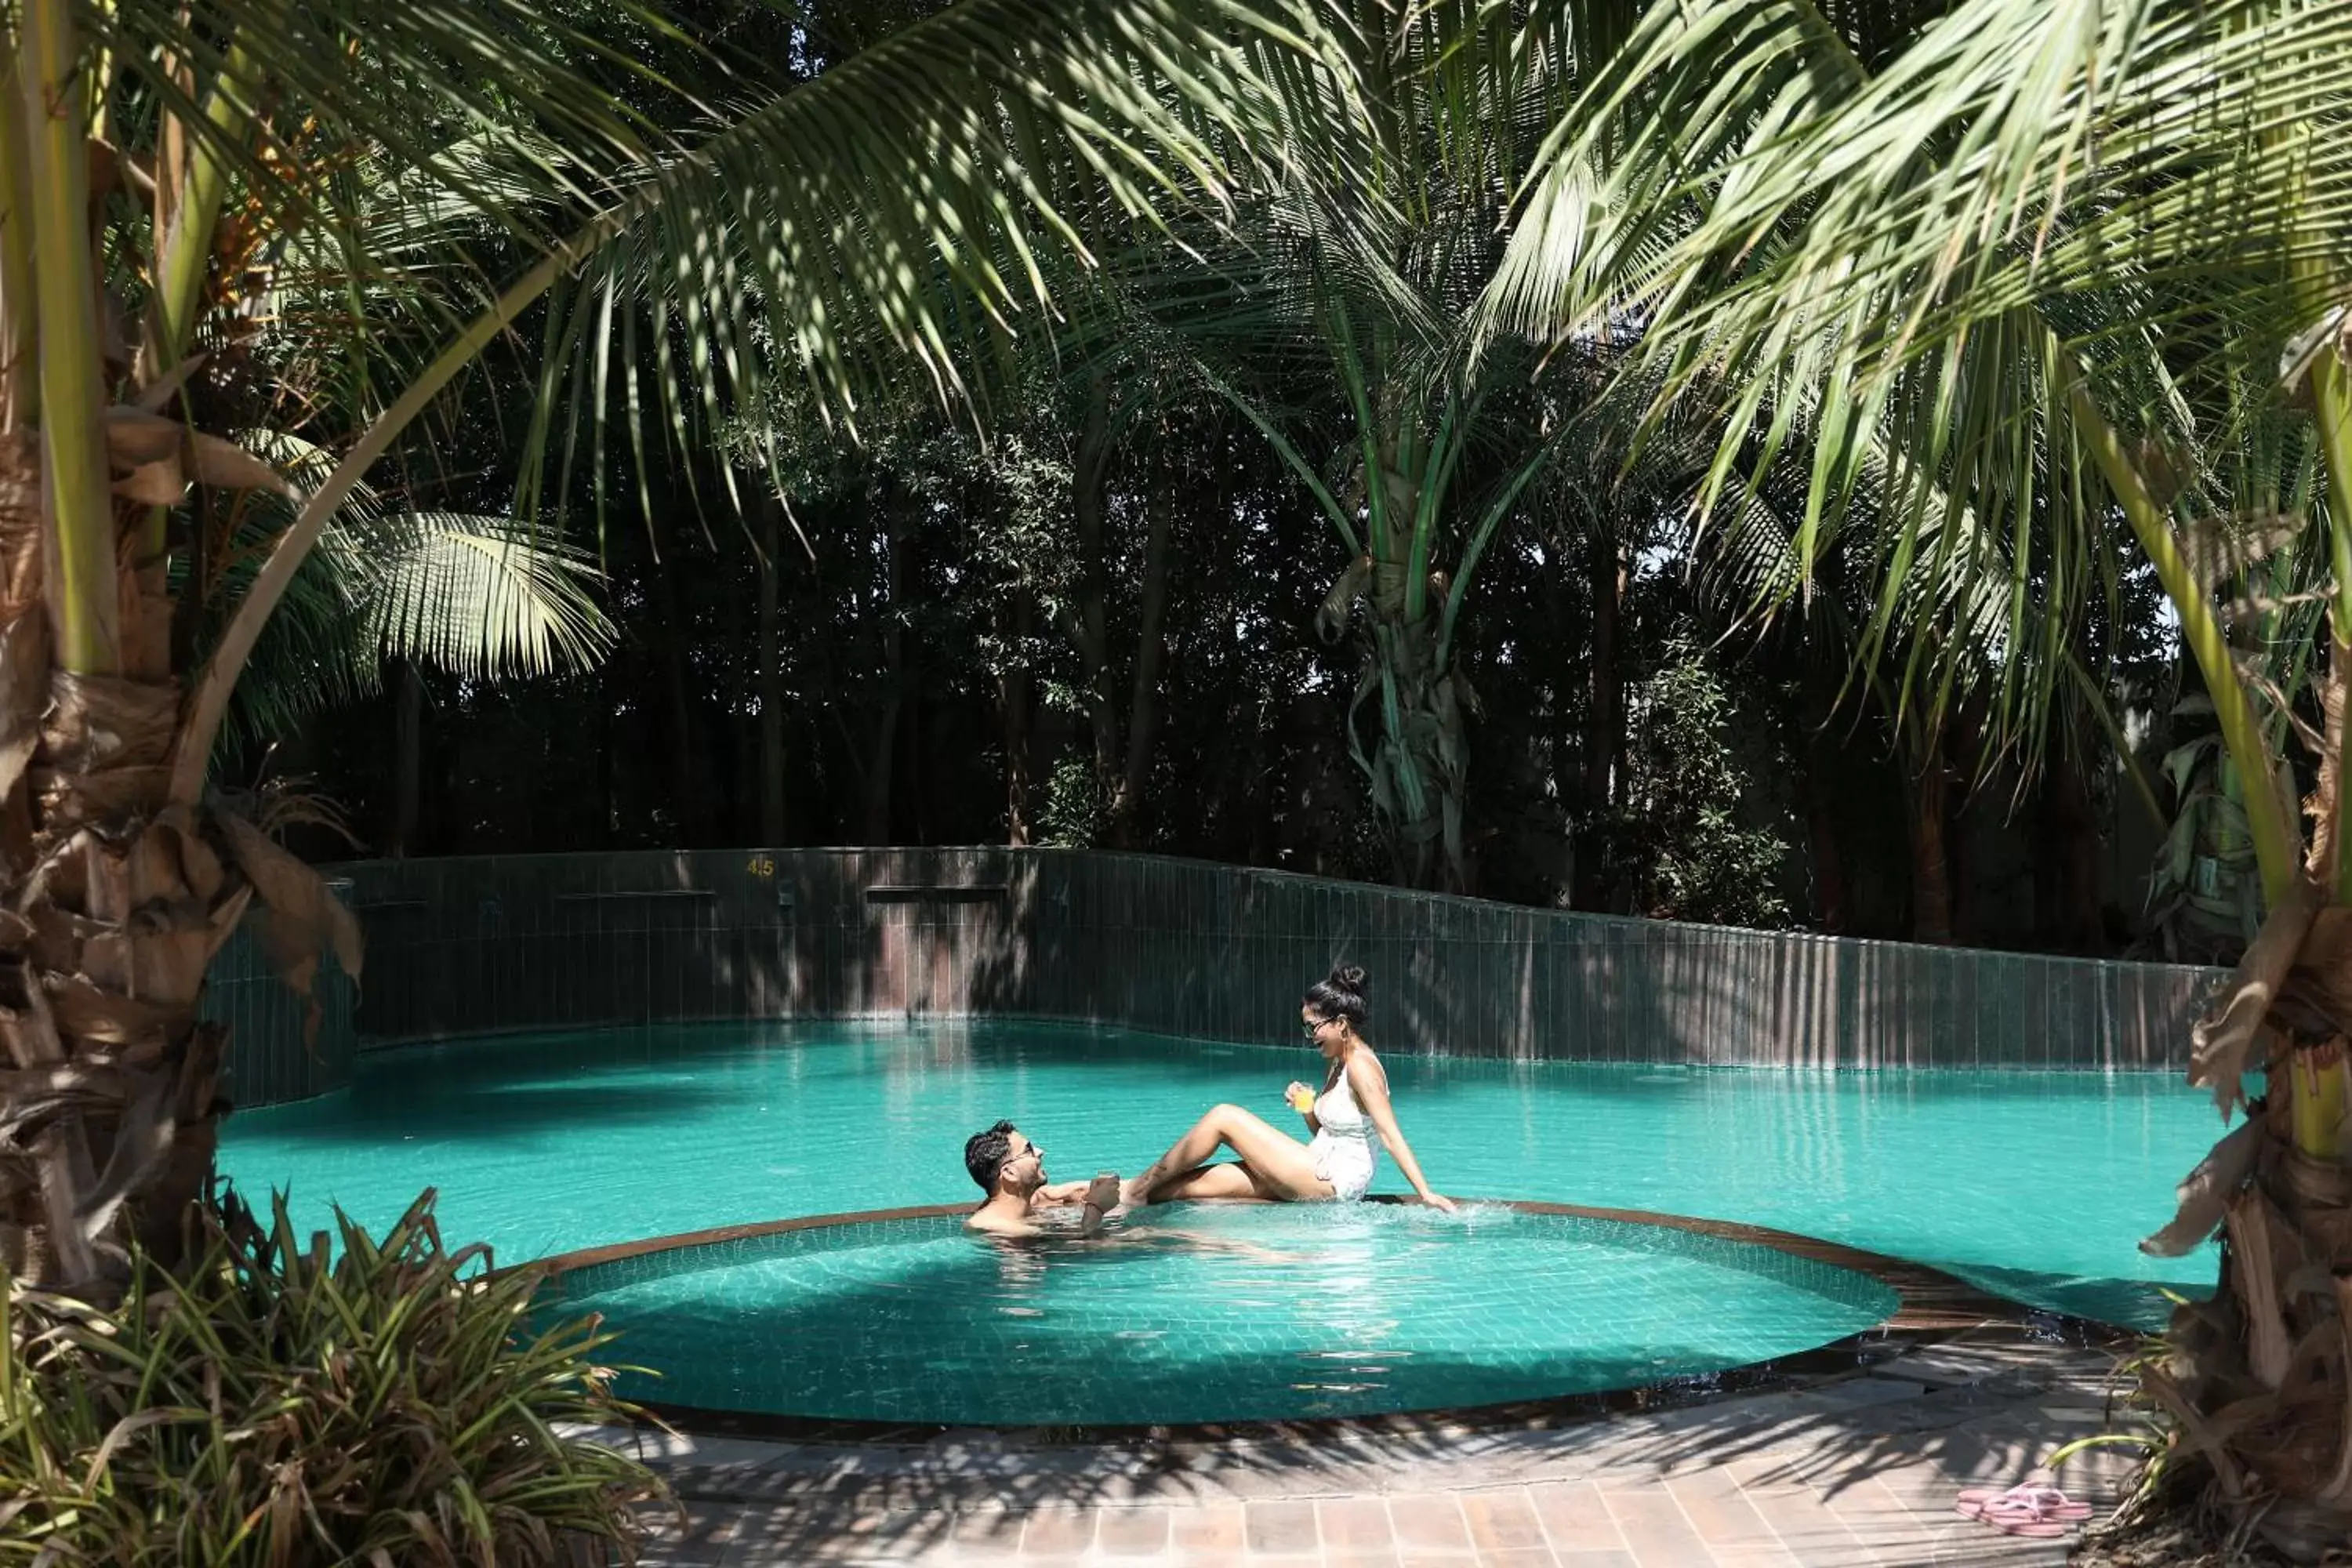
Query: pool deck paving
[(1858, 1467)]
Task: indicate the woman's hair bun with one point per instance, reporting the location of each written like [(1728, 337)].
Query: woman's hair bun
[(1340, 996)]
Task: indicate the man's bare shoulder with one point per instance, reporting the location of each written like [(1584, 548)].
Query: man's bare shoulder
[(987, 1223)]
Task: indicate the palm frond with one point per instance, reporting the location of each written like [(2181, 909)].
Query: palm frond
[(1905, 269), (482, 597), (909, 201)]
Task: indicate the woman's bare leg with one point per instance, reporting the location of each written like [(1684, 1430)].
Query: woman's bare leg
[(1278, 1165), (1226, 1179)]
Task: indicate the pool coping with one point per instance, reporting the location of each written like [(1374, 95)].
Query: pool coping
[(1933, 1305)]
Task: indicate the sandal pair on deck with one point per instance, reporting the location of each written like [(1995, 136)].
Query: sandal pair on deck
[(2034, 1509)]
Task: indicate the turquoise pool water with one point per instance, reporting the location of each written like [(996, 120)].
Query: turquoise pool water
[(1206, 1314), (2037, 1185)]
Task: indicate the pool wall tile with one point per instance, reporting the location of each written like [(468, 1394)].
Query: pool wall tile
[(503, 943)]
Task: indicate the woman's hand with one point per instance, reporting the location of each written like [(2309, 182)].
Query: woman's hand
[(1439, 1202), (1291, 1095)]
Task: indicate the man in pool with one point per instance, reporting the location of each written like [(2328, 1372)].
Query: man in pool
[(1012, 1171)]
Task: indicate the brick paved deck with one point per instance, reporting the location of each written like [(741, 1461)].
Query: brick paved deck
[(1854, 1469)]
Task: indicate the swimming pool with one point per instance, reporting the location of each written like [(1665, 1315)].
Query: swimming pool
[(1205, 1314), (2037, 1185)]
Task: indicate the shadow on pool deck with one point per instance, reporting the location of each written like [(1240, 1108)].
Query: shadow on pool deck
[(1860, 1469), (490, 1115)]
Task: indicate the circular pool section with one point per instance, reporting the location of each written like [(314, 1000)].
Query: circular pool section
[(1202, 1313)]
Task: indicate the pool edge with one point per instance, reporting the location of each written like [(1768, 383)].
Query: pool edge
[(1932, 1306)]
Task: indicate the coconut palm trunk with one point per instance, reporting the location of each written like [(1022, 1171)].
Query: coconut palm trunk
[(118, 882), (2260, 1378), (2257, 1377), (1603, 739), (1405, 726), (1368, 255), (771, 675)]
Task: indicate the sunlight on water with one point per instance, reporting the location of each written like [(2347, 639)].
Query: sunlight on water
[(1207, 1314), (2038, 1184)]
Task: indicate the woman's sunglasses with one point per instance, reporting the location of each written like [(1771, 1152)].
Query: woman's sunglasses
[(1311, 1026)]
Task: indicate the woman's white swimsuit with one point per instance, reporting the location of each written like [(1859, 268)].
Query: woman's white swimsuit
[(1343, 1152)]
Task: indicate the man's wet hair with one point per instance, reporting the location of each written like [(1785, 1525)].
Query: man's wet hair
[(984, 1154)]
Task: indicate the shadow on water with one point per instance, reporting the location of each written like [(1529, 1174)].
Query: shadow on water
[(493, 1114), (526, 1087), (2139, 1304)]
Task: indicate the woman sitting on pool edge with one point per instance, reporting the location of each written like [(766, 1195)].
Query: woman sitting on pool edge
[(1336, 1163)]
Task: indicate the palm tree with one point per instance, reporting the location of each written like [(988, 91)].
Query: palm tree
[(2009, 281), (154, 157), (1357, 272)]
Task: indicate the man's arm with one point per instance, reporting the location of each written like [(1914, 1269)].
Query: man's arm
[(1101, 1195), (1057, 1194)]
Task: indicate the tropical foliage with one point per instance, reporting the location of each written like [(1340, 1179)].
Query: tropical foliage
[(236, 236), (2037, 274), (271, 1402), (1692, 844)]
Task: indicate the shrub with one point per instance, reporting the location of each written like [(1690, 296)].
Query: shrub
[(369, 1404), (1702, 829)]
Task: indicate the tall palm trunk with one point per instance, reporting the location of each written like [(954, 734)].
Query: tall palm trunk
[(408, 759), (1929, 799), (2260, 1378), (1416, 760), (1963, 739), (121, 894), (881, 788), (2070, 846), (1087, 624), (1143, 705), (1605, 729), (1015, 689), (118, 880), (1833, 891), (772, 676)]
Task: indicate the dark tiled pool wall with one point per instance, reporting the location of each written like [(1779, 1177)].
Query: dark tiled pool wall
[(1220, 952), (499, 943), (269, 1058), (495, 943)]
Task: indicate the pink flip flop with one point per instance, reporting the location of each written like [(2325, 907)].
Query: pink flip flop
[(2032, 1504), (2037, 1529), (1970, 1504)]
